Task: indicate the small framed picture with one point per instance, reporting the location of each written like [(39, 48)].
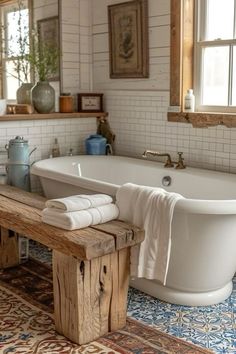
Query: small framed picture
[(90, 102)]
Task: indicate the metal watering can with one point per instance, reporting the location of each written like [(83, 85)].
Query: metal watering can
[(18, 166)]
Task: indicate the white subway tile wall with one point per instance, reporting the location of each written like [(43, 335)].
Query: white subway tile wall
[(138, 107), (140, 122)]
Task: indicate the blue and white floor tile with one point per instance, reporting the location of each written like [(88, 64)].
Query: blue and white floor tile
[(213, 327)]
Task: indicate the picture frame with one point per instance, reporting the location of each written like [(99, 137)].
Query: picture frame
[(128, 39), (48, 32), (90, 102)]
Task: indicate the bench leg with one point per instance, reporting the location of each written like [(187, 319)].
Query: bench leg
[(9, 253), (90, 297)]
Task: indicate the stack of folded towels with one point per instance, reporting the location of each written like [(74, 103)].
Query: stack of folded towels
[(79, 211)]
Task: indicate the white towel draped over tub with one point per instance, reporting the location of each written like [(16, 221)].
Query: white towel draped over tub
[(151, 209), (79, 202)]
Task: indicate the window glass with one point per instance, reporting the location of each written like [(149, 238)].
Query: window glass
[(11, 81), (15, 45), (220, 19), (18, 32), (234, 78), (215, 76)]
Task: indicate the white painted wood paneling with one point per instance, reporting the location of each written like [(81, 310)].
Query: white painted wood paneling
[(159, 42)]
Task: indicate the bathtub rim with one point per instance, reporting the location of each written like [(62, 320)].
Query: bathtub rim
[(186, 205)]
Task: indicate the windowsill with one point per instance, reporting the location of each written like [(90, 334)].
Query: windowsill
[(203, 119), (54, 115)]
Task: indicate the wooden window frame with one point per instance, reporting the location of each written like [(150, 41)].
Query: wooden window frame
[(181, 69)]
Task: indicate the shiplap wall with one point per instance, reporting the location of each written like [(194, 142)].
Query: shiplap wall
[(159, 48), (138, 107), (76, 49)]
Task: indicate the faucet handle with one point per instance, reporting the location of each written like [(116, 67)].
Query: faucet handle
[(180, 163)]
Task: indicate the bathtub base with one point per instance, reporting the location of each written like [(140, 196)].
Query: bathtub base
[(180, 297)]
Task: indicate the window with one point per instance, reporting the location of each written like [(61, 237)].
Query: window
[(215, 55), (203, 60), (14, 46)]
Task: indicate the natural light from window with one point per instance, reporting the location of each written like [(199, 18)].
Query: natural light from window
[(234, 79), (215, 81), (220, 19), (216, 55), (14, 33), (13, 49)]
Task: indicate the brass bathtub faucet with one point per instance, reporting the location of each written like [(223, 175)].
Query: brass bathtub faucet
[(169, 162)]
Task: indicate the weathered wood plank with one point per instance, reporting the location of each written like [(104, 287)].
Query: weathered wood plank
[(9, 252), (187, 46), (105, 282), (88, 243), (182, 37), (124, 272), (87, 332), (94, 293), (90, 297), (204, 119), (125, 234), (120, 283), (82, 292), (26, 220), (114, 316), (90, 277), (176, 54), (66, 280), (32, 199), (53, 115)]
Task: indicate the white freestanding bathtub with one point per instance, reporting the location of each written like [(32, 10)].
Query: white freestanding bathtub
[(203, 249)]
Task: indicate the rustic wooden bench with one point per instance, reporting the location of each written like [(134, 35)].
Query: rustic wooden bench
[(90, 266)]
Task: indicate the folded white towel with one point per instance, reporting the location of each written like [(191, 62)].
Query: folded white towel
[(79, 202), (79, 219), (151, 209)]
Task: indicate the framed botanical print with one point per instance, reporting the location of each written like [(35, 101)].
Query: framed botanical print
[(128, 39)]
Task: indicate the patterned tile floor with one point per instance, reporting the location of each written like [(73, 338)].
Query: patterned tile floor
[(213, 327)]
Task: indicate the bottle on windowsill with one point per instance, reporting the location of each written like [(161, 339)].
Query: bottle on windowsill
[(189, 101), (55, 149)]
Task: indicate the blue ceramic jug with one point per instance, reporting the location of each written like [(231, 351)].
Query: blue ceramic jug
[(96, 145)]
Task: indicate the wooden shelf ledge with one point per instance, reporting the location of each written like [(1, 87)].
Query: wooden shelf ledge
[(203, 119), (54, 115)]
